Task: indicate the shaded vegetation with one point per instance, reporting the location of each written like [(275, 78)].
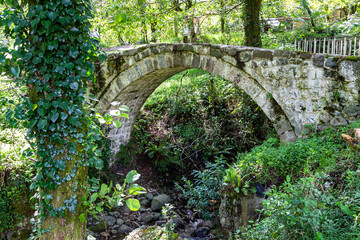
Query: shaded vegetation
[(193, 119)]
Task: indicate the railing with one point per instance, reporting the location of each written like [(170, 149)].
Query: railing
[(343, 46)]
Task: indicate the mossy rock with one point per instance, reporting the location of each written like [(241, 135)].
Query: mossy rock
[(98, 227), (152, 233)]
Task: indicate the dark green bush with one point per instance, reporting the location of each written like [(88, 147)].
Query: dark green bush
[(310, 209), (203, 192)]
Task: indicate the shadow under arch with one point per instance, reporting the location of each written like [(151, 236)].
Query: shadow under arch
[(133, 85)]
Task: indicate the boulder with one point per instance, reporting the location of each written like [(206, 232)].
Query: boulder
[(159, 201)]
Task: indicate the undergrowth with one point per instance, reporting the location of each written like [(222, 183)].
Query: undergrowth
[(193, 118)]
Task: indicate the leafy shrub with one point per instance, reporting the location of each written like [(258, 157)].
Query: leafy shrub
[(270, 163), (310, 209), (203, 192)]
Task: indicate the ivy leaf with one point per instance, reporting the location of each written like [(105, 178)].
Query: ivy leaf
[(133, 204), (124, 108), (73, 53), (66, 2), (28, 56), (15, 71), (99, 164), (52, 16), (42, 123), (54, 117), (74, 86), (63, 116), (47, 76)]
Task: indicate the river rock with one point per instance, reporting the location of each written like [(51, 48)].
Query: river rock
[(125, 229), (149, 196), (201, 232), (179, 223), (156, 216), (110, 220), (159, 201), (146, 217), (120, 221)]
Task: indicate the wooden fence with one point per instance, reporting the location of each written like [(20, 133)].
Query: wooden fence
[(343, 46)]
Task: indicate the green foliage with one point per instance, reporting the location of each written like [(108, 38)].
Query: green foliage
[(312, 208), (271, 163), (55, 63), (203, 192), (191, 119), (8, 218), (169, 227), (109, 196)]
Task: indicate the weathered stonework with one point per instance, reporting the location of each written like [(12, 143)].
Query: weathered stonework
[(293, 89)]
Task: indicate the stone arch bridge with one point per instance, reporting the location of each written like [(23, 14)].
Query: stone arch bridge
[(294, 89)]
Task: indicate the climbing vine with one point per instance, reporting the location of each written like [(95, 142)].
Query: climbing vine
[(53, 57)]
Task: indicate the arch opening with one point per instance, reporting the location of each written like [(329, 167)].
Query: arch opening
[(192, 118)]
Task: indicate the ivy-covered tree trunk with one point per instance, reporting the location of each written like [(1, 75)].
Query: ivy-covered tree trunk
[(55, 53), (252, 25)]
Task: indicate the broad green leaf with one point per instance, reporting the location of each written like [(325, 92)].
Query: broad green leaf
[(103, 190), (132, 176), (93, 197), (74, 86), (133, 204), (124, 115), (117, 123), (135, 189)]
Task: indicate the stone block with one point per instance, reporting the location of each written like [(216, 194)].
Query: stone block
[(281, 53), (245, 56), (338, 121), (305, 55), (318, 60), (263, 54), (330, 62), (215, 52)]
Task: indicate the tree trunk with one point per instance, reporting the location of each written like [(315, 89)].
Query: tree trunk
[(252, 23), (176, 31), (153, 31), (222, 22), (69, 191), (69, 226)]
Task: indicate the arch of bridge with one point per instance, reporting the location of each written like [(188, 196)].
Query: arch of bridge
[(294, 89)]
